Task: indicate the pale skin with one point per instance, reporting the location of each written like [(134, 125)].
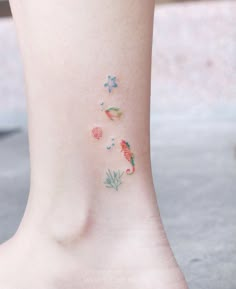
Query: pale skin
[(77, 233)]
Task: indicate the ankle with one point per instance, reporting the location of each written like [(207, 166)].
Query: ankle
[(119, 246), (69, 215), (118, 221)]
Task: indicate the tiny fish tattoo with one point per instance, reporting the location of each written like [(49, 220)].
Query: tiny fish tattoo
[(113, 113)]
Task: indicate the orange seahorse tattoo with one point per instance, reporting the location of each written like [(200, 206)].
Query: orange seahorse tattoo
[(125, 148)]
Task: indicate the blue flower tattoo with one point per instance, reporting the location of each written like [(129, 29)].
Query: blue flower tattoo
[(111, 83)]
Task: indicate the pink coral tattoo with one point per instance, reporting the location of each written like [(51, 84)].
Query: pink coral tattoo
[(97, 132)]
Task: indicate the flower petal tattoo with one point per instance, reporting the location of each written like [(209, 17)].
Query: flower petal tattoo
[(111, 83), (113, 179), (113, 113), (97, 132), (125, 148)]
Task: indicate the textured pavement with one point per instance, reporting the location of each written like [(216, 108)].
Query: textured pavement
[(193, 129)]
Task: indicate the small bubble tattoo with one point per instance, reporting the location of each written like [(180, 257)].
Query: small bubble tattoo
[(102, 105), (111, 145)]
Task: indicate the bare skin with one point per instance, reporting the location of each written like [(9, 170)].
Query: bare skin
[(77, 232)]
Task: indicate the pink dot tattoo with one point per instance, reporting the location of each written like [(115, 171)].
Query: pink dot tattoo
[(97, 132)]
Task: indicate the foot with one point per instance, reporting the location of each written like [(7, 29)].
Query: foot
[(101, 256)]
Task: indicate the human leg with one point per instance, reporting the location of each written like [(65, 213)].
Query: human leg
[(92, 218)]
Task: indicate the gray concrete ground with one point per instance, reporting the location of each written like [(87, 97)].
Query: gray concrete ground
[(193, 129)]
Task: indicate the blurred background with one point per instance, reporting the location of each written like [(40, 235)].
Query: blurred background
[(193, 126)]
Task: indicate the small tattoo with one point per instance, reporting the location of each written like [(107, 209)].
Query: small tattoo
[(113, 179), (113, 113), (111, 83), (125, 148), (102, 106), (112, 144), (97, 132)]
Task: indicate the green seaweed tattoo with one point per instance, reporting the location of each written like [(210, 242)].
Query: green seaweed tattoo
[(113, 179), (111, 83)]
